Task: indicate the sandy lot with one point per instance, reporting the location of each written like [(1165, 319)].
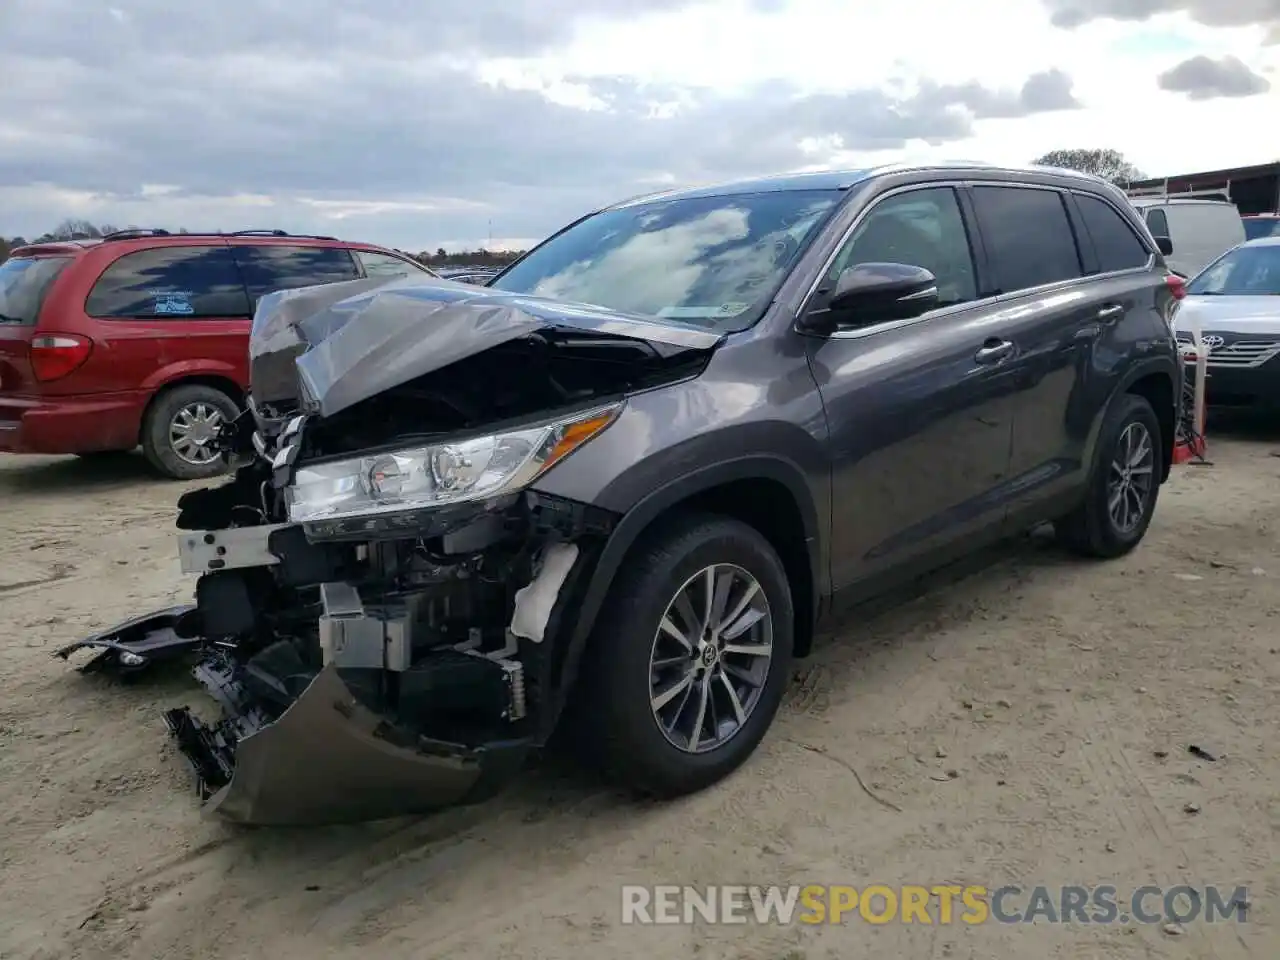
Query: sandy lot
[(1063, 695)]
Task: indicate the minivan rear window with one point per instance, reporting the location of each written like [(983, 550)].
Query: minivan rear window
[(170, 283), (23, 283)]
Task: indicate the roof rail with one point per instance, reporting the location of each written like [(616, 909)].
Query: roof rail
[(278, 233), (134, 232)]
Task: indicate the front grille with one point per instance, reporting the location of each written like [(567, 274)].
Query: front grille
[(1239, 353)]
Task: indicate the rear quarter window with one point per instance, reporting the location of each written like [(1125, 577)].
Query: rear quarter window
[(172, 283), (24, 281), (386, 265), (1114, 241), (270, 267)]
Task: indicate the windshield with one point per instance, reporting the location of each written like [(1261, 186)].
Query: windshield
[(23, 282), (1242, 272), (709, 261)]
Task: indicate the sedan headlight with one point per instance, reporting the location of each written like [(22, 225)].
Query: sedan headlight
[(418, 478)]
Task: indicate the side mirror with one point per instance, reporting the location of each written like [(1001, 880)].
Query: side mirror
[(1164, 245), (871, 293)]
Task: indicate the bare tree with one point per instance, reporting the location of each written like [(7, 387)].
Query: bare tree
[(1106, 163)]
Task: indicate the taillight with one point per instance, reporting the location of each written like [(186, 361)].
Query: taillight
[(1177, 286), (54, 355)]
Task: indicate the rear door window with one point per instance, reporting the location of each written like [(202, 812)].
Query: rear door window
[(1117, 246), (1028, 236), (170, 283), (385, 265), (269, 267), (23, 283)]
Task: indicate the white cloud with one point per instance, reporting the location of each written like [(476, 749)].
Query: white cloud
[(459, 118), (832, 45)]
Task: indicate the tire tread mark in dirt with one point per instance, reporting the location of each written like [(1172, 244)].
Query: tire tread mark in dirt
[(1111, 769)]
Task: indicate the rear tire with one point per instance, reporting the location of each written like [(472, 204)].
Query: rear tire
[(623, 723), (1124, 484), (176, 433)]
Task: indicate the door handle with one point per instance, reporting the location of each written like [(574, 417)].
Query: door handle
[(1110, 313), (993, 351)]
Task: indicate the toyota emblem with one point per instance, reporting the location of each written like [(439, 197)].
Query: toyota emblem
[(1212, 341)]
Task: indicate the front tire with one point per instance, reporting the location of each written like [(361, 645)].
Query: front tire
[(689, 658), (1124, 484), (178, 432)]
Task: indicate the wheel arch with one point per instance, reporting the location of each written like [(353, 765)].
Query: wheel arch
[(216, 381), (768, 493), (1156, 383)]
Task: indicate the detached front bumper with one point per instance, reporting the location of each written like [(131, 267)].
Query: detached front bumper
[(133, 646), (327, 759)]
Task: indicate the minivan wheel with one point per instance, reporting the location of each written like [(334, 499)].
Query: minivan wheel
[(1123, 487), (689, 658), (179, 431)]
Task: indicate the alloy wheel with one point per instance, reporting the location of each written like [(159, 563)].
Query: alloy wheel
[(710, 658), (1130, 480), (192, 432)]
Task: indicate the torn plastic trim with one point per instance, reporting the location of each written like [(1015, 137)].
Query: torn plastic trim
[(329, 759), (136, 644), (535, 601), (356, 342)]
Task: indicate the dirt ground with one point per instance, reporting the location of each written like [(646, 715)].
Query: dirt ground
[(1064, 696)]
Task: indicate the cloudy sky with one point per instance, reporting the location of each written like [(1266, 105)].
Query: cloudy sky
[(397, 122)]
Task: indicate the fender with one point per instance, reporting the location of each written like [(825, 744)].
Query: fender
[(637, 519), (1142, 368)]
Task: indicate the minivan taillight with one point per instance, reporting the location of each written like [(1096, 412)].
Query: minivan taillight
[(1177, 286), (54, 355)]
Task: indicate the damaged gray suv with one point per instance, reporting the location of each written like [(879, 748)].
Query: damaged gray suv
[(614, 492)]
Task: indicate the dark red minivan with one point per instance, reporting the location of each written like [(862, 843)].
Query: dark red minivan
[(141, 338)]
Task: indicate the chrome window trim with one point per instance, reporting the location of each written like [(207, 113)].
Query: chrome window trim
[(957, 308)]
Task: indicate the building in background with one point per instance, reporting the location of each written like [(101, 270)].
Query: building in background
[(1253, 189)]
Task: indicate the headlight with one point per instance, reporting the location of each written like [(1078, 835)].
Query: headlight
[(440, 474)]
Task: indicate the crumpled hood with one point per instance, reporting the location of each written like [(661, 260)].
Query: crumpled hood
[(345, 342)]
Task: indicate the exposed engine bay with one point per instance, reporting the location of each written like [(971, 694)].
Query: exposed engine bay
[(533, 376), (380, 620)]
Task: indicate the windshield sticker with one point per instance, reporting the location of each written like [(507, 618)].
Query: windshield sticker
[(171, 302)]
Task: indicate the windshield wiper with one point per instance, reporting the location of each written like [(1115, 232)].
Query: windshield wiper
[(5, 318)]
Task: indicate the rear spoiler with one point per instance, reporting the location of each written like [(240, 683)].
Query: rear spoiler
[(56, 247)]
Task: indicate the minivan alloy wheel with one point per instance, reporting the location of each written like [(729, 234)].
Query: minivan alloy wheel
[(192, 432), (710, 658), (1131, 476)]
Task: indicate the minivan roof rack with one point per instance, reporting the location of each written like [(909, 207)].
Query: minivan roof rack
[(278, 233), (134, 232)]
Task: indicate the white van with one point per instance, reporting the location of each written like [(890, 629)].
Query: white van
[(1200, 229)]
